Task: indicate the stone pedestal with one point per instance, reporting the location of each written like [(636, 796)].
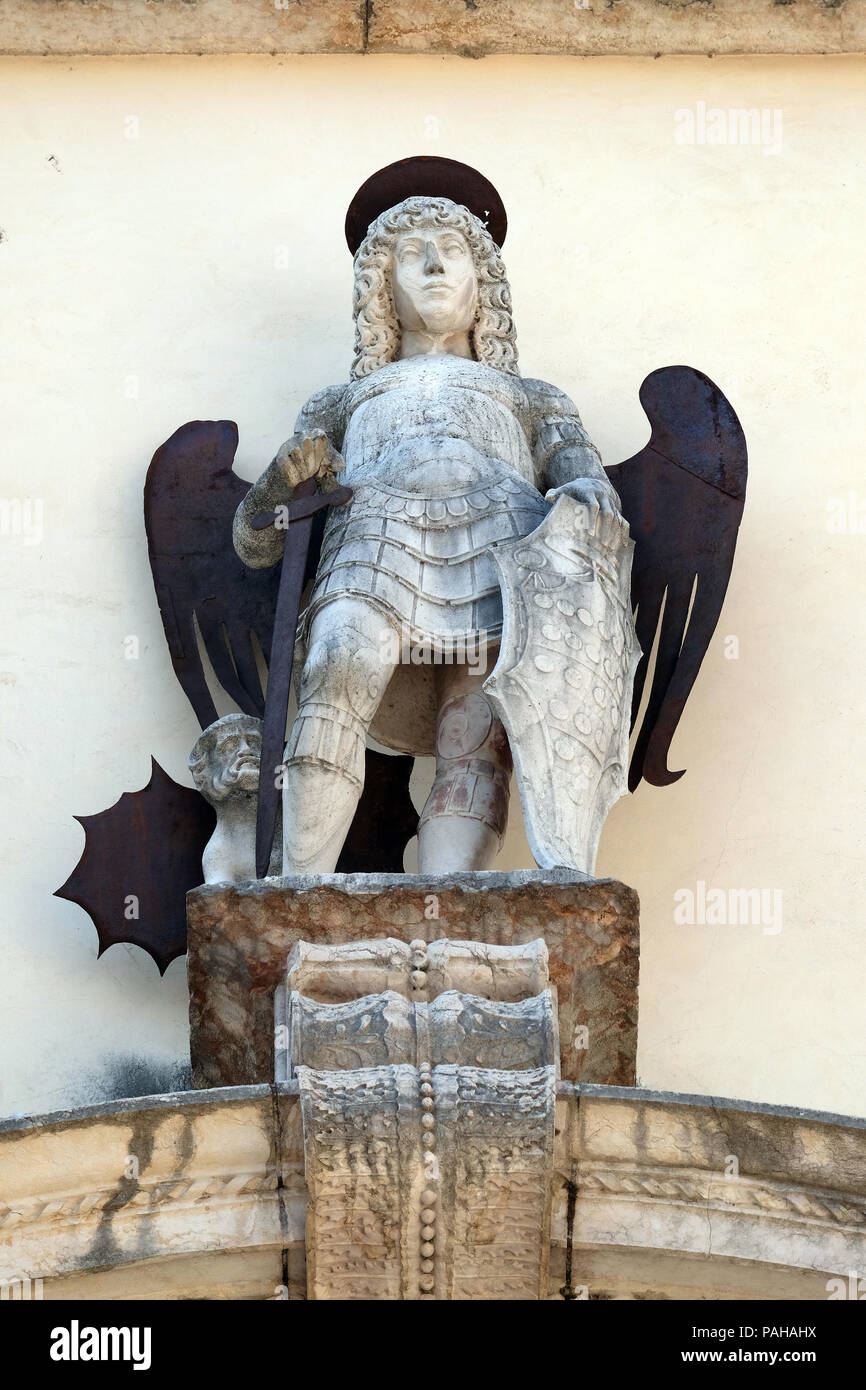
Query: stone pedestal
[(240, 936)]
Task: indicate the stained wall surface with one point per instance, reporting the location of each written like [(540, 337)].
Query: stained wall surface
[(172, 249)]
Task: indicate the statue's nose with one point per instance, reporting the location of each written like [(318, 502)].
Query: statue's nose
[(432, 260)]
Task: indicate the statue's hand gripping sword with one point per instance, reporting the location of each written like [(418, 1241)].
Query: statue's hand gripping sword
[(297, 517)]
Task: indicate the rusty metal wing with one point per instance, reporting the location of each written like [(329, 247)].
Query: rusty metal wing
[(190, 497), (683, 497)]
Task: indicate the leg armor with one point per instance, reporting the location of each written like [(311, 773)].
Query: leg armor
[(473, 765), (343, 681)]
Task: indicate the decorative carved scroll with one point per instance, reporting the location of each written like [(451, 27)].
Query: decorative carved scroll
[(387, 1029)]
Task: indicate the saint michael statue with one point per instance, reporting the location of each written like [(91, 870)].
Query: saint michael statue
[(450, 453), (440, 561)]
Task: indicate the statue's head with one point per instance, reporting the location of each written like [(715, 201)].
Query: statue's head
[(430, 264), (226, 757)]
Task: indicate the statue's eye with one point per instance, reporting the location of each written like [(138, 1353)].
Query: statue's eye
[(454, 249)]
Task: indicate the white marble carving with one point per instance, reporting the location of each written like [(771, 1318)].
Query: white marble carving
[(219, 1204), (428, 1183), (563, 682), (417, 969), (495, 1134), (388, 1029), (224, 763), (428, 1122), (449, 452), (372, 1003)]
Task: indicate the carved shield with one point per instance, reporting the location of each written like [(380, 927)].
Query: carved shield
[(563, 683)]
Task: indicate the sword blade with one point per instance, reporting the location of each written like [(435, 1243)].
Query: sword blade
[(280, 679)]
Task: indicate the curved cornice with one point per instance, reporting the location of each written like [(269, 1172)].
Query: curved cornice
[(657, 1195)]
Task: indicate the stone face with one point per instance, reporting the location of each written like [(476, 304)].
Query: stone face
[(225, 762), (414, 26), (240, 937)]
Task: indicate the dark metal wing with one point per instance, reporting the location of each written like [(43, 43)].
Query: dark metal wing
[(140, 859), (683, 497), (190, 497)]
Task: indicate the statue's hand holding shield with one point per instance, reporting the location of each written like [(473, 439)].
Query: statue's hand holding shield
[(603, 517)]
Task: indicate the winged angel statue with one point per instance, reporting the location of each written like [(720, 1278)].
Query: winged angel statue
[(461, 577)]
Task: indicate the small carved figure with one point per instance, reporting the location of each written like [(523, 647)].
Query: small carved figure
[(224, 763)]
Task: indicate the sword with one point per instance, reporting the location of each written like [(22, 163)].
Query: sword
[(306, 501)]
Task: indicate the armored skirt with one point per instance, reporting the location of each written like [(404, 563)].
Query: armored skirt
[(425, 563)]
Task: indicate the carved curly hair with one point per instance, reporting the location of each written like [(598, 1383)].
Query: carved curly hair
[(377, 330)]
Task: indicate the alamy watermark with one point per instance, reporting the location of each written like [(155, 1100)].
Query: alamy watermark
[(846, 516), (733, 907), (853, 1288), (760, 127), (403, 647), (23, 518), (77, 1343)]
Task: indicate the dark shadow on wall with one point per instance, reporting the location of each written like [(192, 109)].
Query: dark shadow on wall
[(126, 1075)]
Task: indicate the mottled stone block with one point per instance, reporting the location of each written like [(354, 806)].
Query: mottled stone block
[(240, 936), (602, 27), (471, 28), (181, 26)]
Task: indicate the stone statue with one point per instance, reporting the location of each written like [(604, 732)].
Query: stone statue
[(453, 459), (224, 763), (478, 591)]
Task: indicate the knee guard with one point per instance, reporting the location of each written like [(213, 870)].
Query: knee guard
[(345, 671), (341, 686)]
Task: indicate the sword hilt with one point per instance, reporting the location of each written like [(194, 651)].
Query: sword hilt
[(301, 507)]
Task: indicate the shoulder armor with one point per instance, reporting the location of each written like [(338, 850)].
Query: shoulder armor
[(546, 401), (554, 418)]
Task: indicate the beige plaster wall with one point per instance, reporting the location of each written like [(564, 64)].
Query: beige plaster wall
[(173, 250)]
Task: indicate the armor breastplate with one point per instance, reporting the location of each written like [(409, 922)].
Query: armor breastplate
[(434, 425)]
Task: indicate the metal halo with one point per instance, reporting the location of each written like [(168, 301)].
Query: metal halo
[(428, 176)]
